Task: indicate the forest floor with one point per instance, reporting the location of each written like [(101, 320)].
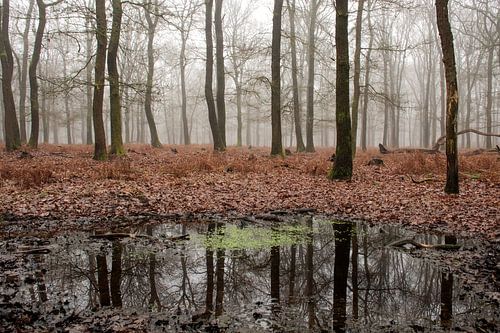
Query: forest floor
[(62, 188)]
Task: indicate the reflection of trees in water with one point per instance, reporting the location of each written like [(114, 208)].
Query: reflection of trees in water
[(352, 276)]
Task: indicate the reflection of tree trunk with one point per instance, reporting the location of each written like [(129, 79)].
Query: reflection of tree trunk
[(102, 280), (355, 287), (367, 272), (291, 285), (340, 274), (153, 298), (116, 274), (209, 258), (447, 293), (275, 274), (40, 277), (309, 276), (93, 282), (219, 296)]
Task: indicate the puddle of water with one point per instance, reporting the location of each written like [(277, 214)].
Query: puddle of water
[(311, 275)]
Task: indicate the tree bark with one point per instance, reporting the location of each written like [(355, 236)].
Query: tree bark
[(295, 84), (310, 79), (152, 23), (100, 152), (88, 72), (114, 81), (221, 81), (446, 36), (343, 164), (357, 74), (209, 95), (12, 136), (276, 139), (340, 273)]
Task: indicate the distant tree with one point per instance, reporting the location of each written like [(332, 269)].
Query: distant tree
[(209, 95), (221, 81), (114, 81), (446, 36), (311, 49), (100, 152), (12, 136), (357, 74), (295, 85), (276, 141), (152, 23), (342, 168)]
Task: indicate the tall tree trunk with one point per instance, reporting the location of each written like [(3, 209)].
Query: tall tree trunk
[(295, 84), (102, 275), (114, 81), (221, 81), (489, 98), (182, 62), (366, 90), (310, 78), (152, 23), (209, 70), (12, 136), (343, 164), (276, 139), (309, 268), (35, 58), (425, 116), (275, 274), (24, 73), (88, 73), (446, 35), (67, 110), (357, 72), (100, 152), (219, 288), (239, 94)]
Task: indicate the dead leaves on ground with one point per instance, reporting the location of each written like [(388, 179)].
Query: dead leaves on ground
[(65, 183)]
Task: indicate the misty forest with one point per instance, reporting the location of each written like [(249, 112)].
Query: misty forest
[(250, 166)]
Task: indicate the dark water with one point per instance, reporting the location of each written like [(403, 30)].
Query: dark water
[(311, 275)]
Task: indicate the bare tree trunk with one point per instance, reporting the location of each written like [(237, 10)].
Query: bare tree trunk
[(102, 274), (364, 115), (357, 72), (343, 163), (219, 272), (276, 139), (446, 35), (489, 97), (100, 152), (116, 274), (309, 268), (35, 58), (12, 136), (24, 73), (88, 72), (295, 85), (310, 78), (209, 95), (114, 81), (182, 61), (221, 80), (152, 23)]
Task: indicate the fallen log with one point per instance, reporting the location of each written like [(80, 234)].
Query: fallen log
[(384, 150), (409, 241)]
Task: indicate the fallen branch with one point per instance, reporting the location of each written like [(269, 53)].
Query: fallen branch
[(442, 140), (37, 250), (409, 241), (384, 150), (118, 235)]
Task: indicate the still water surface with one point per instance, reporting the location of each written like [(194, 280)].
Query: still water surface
[(313, 274)]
